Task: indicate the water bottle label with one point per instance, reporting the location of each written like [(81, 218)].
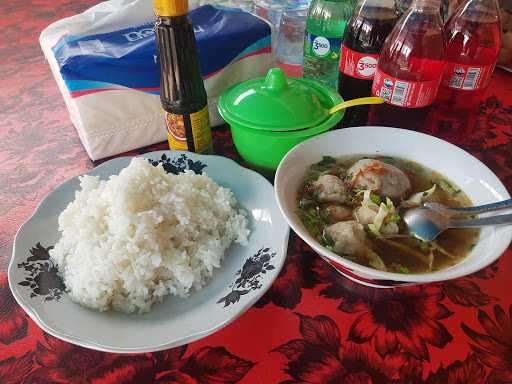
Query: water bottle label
[(357, 64), (404, 93), (323, 47), (467, 77)]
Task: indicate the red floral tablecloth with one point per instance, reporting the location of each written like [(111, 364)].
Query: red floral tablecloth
[(312, 326)]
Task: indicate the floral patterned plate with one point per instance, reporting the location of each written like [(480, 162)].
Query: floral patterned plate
[(246, 272)]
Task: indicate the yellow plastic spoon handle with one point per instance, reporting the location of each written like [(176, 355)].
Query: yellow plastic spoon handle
[(354, 102)]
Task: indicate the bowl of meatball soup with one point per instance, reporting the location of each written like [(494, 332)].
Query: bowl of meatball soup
[(345, 192)]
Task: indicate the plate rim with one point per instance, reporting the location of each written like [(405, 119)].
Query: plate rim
[(242, 308)]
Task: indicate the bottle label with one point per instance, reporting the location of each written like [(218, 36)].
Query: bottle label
[(404, 93), (357, 64), (323, 47), (466, 77), (190, 132)]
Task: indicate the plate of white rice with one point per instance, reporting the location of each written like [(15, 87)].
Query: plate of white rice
[(148, 253)]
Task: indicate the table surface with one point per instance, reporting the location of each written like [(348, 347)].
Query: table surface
[(312, 326)]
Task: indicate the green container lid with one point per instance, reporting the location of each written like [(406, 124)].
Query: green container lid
[(276, 103)]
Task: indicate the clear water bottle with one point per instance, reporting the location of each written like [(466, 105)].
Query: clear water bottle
[(270, 10), (325, 27), (289, 50)]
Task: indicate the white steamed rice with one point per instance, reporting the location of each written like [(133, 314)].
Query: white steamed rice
[(129, 241)]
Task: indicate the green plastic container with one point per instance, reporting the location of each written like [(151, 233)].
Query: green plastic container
[(269, 116)]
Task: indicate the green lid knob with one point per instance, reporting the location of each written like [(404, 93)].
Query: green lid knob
[(275, 81)]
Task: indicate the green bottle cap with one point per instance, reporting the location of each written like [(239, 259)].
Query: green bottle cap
[(276, 103)]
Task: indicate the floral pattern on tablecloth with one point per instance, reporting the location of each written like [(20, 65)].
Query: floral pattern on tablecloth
[(312, 326)]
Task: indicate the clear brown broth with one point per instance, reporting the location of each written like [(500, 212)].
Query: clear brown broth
[(457, 242)]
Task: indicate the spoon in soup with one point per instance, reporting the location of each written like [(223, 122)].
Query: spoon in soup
[(447, 211), (427, 223)]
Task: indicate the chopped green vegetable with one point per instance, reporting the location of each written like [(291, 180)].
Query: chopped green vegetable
[(424, 246), (312, 221), (373, 229), (397, 267), (448, 187), (375, 198), (394, 218), (324, 165)]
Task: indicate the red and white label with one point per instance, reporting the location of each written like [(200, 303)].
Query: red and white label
[(404, 93), (466, 77), (357, 64)]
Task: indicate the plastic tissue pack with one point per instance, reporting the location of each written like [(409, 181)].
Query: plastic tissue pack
[(106, 66)]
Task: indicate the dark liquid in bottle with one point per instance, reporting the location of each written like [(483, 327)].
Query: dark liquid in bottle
[(182, 91), (365, 33)]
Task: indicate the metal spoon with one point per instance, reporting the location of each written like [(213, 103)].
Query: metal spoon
[(426, 223), (447, 211)]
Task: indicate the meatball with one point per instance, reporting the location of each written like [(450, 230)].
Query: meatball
[(330, 188), (349, 237), (365, 215), (384, 179), (338, 212)]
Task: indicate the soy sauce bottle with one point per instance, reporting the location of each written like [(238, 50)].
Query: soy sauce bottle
[(182, 90)]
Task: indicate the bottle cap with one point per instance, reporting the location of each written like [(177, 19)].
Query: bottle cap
[(170, 7)]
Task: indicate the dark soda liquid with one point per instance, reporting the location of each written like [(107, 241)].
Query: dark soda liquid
[(365, 33), (470, 42), (416, 54)]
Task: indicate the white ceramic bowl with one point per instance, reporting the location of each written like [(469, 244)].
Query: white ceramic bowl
[(244, 276), (473, 177)]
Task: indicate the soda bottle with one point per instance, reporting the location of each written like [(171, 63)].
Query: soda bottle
[(473, 38), (325, 26), (370, 24), (410, 67)]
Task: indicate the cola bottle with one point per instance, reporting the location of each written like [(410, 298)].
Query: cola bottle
[(366, 31), (410, 67)]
